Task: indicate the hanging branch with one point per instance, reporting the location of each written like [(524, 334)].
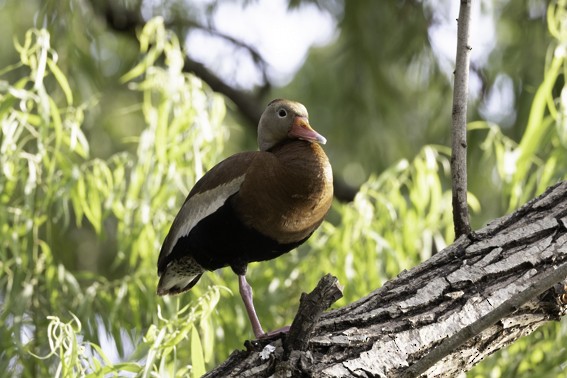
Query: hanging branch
[(459, 124)]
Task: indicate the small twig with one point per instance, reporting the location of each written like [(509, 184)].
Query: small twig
[(540, 284), (311, 306), (459, 126), (254, 53)]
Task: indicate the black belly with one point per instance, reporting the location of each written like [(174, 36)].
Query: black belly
[(222, 239)]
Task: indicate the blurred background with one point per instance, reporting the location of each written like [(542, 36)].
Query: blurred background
[(127, 145)]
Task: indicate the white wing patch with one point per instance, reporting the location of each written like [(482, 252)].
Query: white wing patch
[(200, 206)]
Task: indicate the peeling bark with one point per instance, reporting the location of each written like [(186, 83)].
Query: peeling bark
[(466, 302)]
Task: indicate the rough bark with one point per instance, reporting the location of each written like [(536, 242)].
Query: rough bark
[(466, 302)]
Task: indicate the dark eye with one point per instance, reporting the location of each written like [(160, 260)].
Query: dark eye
[(282, 113)]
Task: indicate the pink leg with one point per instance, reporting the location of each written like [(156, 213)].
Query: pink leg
[(246, 294)]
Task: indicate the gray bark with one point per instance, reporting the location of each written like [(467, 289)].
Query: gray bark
[(459, 123), (439, 318)]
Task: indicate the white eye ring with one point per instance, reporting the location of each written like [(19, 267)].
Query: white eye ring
[(282, 113)]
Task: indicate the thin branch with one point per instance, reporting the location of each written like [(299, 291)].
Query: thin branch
[(459, 127), (541, 283), (254, 53)]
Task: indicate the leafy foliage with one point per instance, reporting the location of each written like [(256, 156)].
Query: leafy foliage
[(88, 310), (48, 179), (526, 169)]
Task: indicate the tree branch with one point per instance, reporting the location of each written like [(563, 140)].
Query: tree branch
[(540, 284), (464, 303), (251, 50), (311, 306), (249, 106), (459, 128)]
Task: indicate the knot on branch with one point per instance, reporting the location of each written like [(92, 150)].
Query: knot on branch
[(287, 356), (311, 306)]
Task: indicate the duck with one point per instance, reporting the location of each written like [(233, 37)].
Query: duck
[(251, 207)]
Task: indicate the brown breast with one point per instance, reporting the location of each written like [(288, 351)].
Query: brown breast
[(287, 191)]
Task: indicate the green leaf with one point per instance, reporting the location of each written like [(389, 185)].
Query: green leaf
[(197, 359), (206, 327), (62, 80)]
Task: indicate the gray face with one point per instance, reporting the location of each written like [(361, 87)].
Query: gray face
[(276, 121)]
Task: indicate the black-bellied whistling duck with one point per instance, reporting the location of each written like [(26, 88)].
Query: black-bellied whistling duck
[(253, 206)]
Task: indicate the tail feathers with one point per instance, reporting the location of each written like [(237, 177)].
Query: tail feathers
[(179, 276), (174, 284)]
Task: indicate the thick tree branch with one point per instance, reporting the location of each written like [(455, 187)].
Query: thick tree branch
[(459, 127), (464, 303), (547, 281)]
